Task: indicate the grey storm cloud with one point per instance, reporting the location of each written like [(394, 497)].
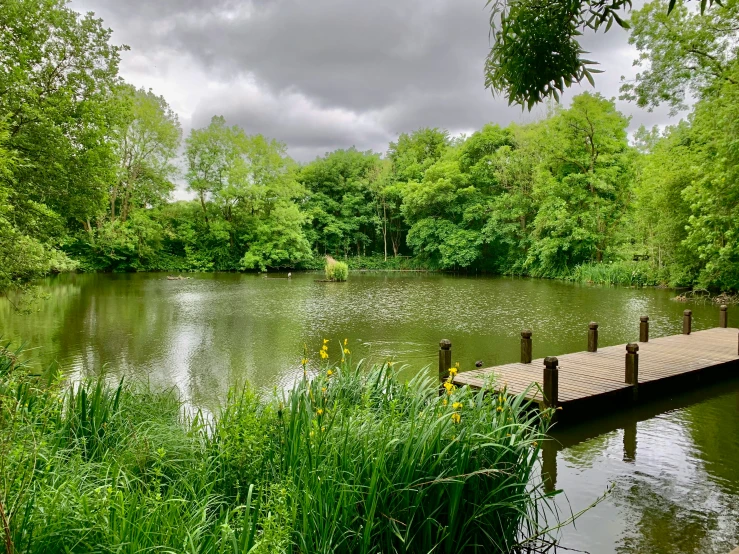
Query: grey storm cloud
[(326, 74)]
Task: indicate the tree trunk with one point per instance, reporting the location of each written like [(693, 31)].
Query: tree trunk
[(205, 210), (384, 227)]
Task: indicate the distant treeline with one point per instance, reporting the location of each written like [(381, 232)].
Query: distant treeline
[(88, 165)]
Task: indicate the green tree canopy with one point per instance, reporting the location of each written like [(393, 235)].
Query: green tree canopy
[(683, 53), (536, 51)]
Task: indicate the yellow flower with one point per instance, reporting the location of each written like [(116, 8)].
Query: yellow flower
[(448, 386), (500, 409), (445, 402), (304, 361), (324, 347), (325, 341), (329, 372), (456, 418), (453, 371), (390, 364), (457, 405), (323, 389), (319, 411), (324, 355), (346, 341), (346, 351), (456, 365)]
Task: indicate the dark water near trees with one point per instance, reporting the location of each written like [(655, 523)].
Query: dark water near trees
[(674, 466)]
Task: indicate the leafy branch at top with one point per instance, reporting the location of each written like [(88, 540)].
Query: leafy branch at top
[(536, 53)]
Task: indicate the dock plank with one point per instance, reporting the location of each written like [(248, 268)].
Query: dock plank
[(585, 375)]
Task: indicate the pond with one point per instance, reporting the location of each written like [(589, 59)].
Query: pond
[(672, 465)]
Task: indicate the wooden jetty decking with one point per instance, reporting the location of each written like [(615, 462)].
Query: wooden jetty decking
[(614, 376)]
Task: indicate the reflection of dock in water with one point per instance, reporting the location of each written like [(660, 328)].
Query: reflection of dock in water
[(626, 421)]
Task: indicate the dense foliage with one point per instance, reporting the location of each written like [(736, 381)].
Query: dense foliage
[(349, 460), (536, 52), (567, 196)]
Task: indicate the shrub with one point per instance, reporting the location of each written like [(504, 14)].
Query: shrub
[(336, 271)]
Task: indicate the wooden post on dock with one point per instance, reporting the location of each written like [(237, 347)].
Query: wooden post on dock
[(592, 337), (551, 382), (644, 328), (526, 346), (445, 359), (632, 366), (723, 316), (687, 321)]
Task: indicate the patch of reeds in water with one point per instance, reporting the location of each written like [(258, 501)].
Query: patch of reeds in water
[(350, 460)]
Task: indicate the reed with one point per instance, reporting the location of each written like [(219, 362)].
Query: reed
[(336, 271), (349, 460), (617, 273)]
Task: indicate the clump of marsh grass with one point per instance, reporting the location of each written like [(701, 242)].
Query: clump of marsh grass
[(349, 460), (623, 272), (336, 271)]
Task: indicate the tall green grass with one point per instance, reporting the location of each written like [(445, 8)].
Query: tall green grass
[(336, 271), (350, 460), (626, 273)]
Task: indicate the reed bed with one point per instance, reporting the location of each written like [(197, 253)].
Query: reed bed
[(350, 460)]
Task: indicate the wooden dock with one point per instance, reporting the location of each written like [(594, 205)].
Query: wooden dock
[(614, 376)]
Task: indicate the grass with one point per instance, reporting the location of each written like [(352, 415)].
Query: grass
[(626, 273), (336, 271), (350, 460)]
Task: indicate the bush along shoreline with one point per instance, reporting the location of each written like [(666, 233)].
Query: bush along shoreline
[(349, 460)]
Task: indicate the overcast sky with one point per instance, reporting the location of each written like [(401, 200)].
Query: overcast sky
[(327, 74)]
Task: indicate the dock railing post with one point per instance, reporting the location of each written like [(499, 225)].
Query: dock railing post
[(445, 359), (551, 382), (526, 346), (592, 337), (644, 328), (687, 321), (632, 366), (723, 316)]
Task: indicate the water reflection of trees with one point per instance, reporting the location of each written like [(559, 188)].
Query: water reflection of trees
[(681, 493)]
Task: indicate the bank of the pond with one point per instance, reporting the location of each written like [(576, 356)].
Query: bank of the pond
[(350, 460)]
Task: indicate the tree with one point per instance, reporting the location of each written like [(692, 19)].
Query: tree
[(58, 75), (713, 225), (146, 146), (340, 206), (511, 208), (582, 190), (536, 53), (661, 211), (681, 53), (211, 154)]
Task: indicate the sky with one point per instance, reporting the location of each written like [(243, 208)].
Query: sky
[(326, 74)]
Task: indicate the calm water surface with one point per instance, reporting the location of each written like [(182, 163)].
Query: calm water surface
[(673, 466)]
